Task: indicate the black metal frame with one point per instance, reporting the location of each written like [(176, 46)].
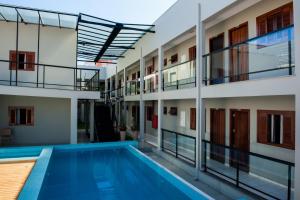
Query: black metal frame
[(137, 88), (236, 180), (42, 84), (100, 39), (221, 80), (178, 82), (176, 153)]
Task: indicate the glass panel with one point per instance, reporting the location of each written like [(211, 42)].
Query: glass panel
[(271, 55), (257, 173), (49, 19), (9, 13), (169, 141), (29, 16), (186, 147), (68, 21), (180, 76)]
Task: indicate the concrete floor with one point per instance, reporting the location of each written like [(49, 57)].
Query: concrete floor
[(206, 183)]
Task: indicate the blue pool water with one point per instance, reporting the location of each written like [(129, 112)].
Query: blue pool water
[(108, 174)]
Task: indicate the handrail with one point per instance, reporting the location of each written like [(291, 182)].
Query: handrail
[(177, 152), (48, 65), (91, 84), (247, 41), (252, 154), (177, 64), (249, 73), (240, 182)]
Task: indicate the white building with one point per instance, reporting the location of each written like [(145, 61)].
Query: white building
[(217, 83)]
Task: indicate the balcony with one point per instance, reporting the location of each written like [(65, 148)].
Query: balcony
[(49, 76), (133, 88), (179, 76), (271, 55), (180, 145), (266, 176), (151, 83)]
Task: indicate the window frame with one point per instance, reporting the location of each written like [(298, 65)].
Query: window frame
[(262, 129), (29, 60), (14, 109)]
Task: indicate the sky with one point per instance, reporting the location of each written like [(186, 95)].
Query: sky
[(124, 11)]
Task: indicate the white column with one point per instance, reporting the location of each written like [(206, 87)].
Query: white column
[(105, 90), (200, 117), (142, 103), (297, 96), (160, 106), (92, 122), (73, 128), (125, 83)]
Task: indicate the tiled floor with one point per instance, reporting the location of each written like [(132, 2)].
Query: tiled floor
[(202, 185), (255, 181), (12, 178)]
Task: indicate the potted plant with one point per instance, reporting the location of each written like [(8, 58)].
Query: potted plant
[(134, 130), (122, 129)]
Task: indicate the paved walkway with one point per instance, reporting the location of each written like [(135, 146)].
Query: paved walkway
[(221, 194)]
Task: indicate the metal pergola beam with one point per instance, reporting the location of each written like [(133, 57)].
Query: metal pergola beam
[(109, 40), (3, 17)]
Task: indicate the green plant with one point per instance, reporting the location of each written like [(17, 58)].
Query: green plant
[(129, 137)]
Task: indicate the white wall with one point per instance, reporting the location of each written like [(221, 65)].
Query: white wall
[(51, 120), (57, 47), (284, 103), (181, 122)]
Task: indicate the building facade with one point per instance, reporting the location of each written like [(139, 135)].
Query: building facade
[(216, 86)]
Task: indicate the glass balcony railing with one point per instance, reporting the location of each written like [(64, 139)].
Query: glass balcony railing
[(151, 83), (179, 76), (180, 145), (268, 177), (133, 87), (271, 55)]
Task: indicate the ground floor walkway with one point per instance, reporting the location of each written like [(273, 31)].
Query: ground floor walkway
[(214, 187)]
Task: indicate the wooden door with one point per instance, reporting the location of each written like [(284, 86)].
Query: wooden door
[(239, 138), (239, 61), (217, 137), (216, 59)]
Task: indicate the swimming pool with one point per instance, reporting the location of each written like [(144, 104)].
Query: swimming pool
[(108, 171)]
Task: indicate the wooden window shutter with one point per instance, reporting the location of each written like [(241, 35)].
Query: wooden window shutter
[(262, 127), (192, 53), (165, 62), (174, 58), (30, 116), (12, 116), (287, 15), (289, 130), (30, 59), (261, 26), (193, 118), (13, 60)]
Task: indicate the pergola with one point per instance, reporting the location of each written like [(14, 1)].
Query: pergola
[(98, 40)]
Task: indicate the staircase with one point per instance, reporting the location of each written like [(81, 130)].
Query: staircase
[(104, 123)]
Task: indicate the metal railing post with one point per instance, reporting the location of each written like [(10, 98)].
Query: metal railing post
[(162, 139), (238, 169), (176, 145), (44, 76), (177, 83), (205, 156), (290, 57), (289, 182)]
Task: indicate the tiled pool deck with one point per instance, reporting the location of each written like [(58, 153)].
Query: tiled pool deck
[(13, 175)]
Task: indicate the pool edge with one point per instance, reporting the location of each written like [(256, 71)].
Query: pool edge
[(189, 189)]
